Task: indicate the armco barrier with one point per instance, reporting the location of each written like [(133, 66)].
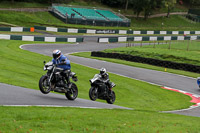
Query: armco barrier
[(131, 32), (37, 38), (145, 38), (15, 29), (69, 30), (156, 62), (93, 31)]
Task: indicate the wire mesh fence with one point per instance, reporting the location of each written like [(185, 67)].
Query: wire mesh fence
[(188, 45)]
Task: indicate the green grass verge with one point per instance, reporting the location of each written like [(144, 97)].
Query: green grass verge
[(20, 33), (27, 71), (29, 19), (175, 22), (62, 120), (4, 24), (23, 68), (179, 51), (6, 4)]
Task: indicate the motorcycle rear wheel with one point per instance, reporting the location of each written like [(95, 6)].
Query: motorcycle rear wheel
[(44, 88), (111, 99), (73, 93), (93, 96)]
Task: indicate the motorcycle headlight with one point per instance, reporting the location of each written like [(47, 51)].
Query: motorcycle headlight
[(49, 68), (92, 80), (45, 68)]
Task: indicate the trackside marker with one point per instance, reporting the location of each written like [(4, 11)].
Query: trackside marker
[(32, 29), (195, 98)]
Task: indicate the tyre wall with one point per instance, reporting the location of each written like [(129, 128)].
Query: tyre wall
[(150, 61)]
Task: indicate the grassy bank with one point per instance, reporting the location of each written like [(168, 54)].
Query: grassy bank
[(146, 100), (181, 51), (27, 19), (6, 4), (27, 71), (175, 22)]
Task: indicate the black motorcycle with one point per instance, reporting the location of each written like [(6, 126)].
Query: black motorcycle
[(54, 81), (100, 90)]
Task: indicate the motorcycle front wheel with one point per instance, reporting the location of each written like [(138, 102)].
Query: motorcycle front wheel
[(92, 94), (72, 93), (43, 85), (111, 99)]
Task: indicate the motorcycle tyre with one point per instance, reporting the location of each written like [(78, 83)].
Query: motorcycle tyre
[(69, 95), (91, 94), (41, 81), (111, 100)]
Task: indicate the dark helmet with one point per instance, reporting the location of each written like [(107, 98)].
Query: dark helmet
[(102, 71), (56, 54)]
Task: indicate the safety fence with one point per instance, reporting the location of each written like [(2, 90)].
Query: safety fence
[(145, 38), (38, 38), (156, 62), (103, 31), (69, 30)]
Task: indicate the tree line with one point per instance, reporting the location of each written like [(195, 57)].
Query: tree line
[(138, 6), (148, 6)]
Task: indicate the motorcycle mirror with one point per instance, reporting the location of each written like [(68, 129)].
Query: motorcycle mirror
[(44, 62)]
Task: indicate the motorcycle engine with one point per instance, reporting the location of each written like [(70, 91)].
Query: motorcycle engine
[(58, 77), (59, 81), (60, 84)]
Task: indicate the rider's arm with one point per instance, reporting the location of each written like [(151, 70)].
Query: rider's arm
[(64, 61), (54, 62), (107, 77)]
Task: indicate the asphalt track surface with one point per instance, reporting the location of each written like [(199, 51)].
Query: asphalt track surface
[(19, 96), (155, 77)]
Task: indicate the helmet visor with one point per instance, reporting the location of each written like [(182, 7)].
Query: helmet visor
[(55, 56), (101, 72)]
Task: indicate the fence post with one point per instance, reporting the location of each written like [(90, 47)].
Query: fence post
[(188, 45), (154, 45), (169, 44)]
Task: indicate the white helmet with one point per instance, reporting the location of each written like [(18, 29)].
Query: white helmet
[(102, 71), (56, 54)]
